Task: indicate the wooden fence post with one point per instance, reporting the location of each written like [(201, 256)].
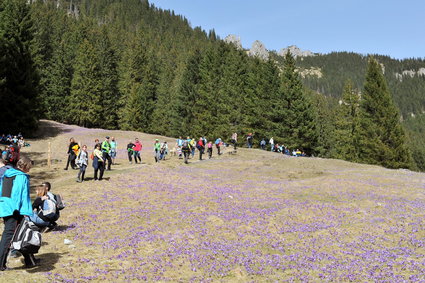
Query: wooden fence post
[(49, 155)]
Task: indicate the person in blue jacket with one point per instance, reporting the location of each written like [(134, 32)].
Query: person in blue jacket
[(15, 203)]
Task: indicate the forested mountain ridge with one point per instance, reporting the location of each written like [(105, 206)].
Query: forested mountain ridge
[(129, 65)]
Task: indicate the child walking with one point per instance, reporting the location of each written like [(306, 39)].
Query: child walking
[(209, 150), (82, 161)]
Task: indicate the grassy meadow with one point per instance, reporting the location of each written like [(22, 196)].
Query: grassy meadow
[(253, 216)]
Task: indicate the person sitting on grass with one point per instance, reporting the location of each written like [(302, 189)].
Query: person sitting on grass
[(38, 216)]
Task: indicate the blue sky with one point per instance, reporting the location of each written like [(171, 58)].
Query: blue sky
[(386, 27)]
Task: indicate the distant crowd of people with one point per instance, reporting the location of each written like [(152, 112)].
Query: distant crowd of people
[(104, 153), (9, 140)]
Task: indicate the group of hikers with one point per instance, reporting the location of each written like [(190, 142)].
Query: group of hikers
[(18, 212), (104, 153), (103, 156)]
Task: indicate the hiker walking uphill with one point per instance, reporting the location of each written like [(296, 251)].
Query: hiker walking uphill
[(249, 140), (218, 145), (72, 154), (106, 148), (157, 150), (234, 140), (130, 151), (209, 149), (98, 163), (113, 152), (186, 149), (82, 161), (201, 147), (136, 150)]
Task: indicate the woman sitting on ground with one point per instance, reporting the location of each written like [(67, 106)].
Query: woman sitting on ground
[(38, 217)]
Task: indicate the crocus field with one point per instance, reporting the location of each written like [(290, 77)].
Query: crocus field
[(251, 217)]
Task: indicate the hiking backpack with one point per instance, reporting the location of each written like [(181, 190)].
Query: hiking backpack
[(49, 209), (59, 202), (27, 238)]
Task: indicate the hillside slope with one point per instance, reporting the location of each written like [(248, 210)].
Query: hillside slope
[(250, 216)]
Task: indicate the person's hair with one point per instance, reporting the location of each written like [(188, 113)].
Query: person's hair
[(41, 191), (84, 146), (24, 163), (47, 185), (98, 145)]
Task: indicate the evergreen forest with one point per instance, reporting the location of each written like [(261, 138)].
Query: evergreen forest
[(125, 64)]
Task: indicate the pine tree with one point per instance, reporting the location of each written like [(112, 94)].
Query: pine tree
[(139, 87), (85, 105), (347, 124), (299, 124), (18, 76), (110, 94), (187, 95), (381, 138)]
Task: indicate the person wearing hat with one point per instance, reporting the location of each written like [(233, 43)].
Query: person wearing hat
[(157, 149), (106, 148)]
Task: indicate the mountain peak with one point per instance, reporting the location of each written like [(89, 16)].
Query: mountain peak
[(296, 51)]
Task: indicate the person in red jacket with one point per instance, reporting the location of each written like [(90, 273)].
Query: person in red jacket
[(201, 147), (136, 150)]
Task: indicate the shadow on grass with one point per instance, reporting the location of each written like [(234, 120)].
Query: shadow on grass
[(49, 129), (47, 262), (63, 228)]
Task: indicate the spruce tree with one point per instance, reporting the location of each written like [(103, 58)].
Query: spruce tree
[(187, 94), (139, 86), (381, 138), (85, 107), (18, 76), (299, 124), (347, 124)]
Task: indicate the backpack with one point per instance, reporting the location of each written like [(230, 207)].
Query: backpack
[(49, 209), (59, 202), (27, 238), (185, 146)]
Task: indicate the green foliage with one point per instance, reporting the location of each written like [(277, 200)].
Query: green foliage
[(347, 124), (18, 76), (381, 137), (126, 64), (299, 125)]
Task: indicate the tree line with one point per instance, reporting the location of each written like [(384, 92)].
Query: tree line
[(129, 65)]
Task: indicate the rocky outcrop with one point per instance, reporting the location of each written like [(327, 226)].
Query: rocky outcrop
[(295, 51), (235, 40), (312, 72), (259, 50), (410, 73)]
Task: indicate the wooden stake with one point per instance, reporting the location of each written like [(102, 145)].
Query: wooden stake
[(49, 155)]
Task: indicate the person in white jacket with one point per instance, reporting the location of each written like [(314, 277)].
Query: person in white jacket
[(271, 142), (82, 161)]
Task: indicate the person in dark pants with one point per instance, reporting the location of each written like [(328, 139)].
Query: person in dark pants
[(15, 203), (201, 147), (130, 151), (98, 163), (106, 148), (82, 161), (71, 154)]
